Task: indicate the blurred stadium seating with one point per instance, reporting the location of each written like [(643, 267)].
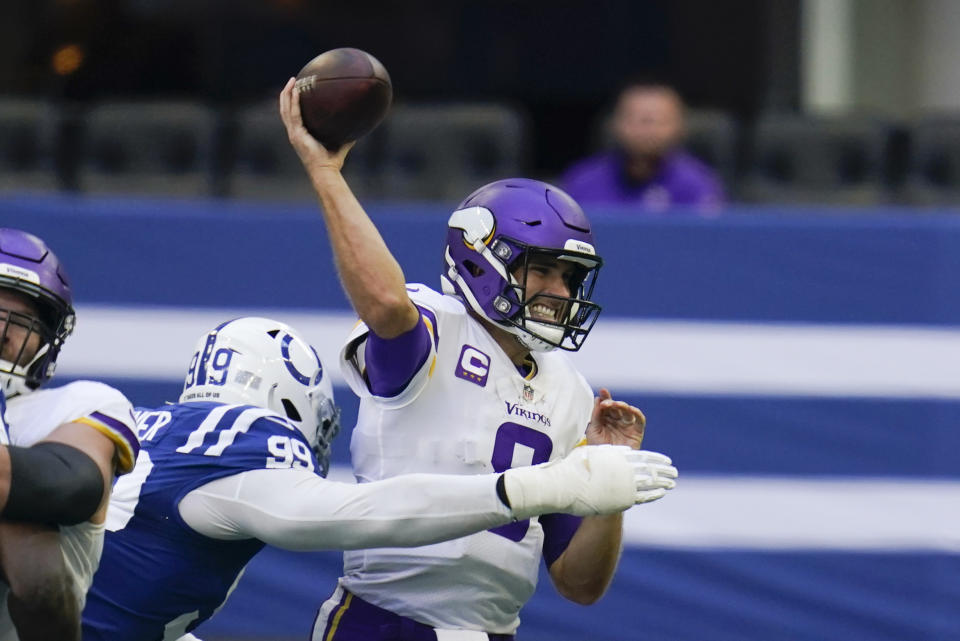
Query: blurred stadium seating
[(261, 165), (440, 151), (445, 151), (932, 173), (152, 148), (831, 160), (28, 145), (714, 137)]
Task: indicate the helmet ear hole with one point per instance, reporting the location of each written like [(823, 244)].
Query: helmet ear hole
[(475, 270), (290, 410)]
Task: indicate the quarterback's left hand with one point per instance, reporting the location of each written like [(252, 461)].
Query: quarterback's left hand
[(615, 422)]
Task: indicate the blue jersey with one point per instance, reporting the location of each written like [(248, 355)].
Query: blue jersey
[(158, 578), (4, 431)]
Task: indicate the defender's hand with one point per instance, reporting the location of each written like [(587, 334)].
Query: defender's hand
[(312, 154), (615, 423), (591, 480)]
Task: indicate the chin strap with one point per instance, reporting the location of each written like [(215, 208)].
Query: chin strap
[(533, 341)]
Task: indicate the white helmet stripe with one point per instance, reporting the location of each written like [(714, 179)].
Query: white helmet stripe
[(207, 350), (476, 222)]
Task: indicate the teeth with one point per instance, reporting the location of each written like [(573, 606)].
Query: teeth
[(543, 312)]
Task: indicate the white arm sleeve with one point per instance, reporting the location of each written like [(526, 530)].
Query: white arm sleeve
[(298, 510)]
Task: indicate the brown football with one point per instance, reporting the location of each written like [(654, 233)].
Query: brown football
[(344, 93)]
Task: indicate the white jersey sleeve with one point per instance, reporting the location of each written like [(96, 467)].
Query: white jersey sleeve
[(33, 417), (298, 510), (353, 357)]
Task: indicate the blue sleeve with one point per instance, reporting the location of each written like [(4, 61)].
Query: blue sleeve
[(558, 530), (392, 363), (4, 433)]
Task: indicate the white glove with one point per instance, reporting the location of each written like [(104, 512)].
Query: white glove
[(591, 480)]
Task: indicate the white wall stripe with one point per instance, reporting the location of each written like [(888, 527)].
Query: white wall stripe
[(859, 514), (773, 359), (653, 356), (157, 343)]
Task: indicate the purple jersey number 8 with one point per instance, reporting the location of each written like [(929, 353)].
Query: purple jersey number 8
[(509, 435)]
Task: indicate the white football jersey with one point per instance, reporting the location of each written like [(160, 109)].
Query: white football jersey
[(467, 411), (31, 418)]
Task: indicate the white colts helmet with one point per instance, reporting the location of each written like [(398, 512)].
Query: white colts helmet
[(266, 363)]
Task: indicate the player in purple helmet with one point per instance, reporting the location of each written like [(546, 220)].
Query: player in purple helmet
[(493, 260), (62, 448), (468, 381)]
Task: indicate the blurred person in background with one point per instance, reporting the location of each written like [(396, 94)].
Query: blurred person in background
[(648, 168), (62, 449)]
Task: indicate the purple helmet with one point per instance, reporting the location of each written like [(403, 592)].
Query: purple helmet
[(495, 232), (28, 267)]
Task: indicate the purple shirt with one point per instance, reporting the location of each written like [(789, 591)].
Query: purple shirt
[(680, 181)]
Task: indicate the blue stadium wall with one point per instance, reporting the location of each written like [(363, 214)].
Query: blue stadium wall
[(801, 367)]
